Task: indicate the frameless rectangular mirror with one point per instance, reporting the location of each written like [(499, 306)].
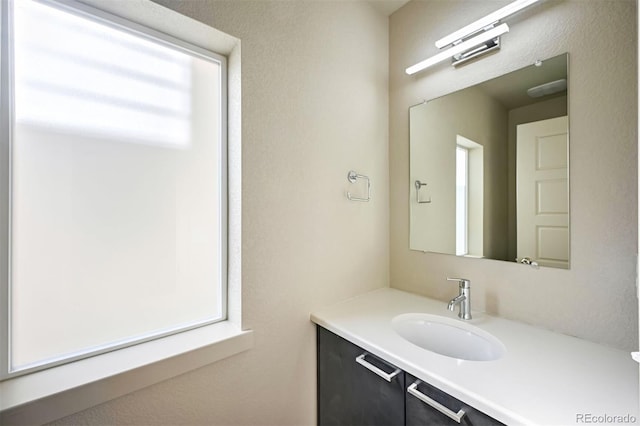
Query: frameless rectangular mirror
[(489, 169)]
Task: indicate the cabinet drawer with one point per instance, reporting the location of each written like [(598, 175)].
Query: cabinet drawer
[(421, 413), (350, 392)]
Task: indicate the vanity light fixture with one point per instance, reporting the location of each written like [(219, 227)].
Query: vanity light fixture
[(482, 23), (476, 41), (477, 38)]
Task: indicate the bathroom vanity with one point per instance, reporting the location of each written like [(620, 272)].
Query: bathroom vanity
[(368, 373), (380, 393)]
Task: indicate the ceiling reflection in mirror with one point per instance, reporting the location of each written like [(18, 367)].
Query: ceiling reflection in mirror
[(489, 169)]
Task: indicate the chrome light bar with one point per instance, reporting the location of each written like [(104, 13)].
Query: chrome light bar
[(475, 39), (483, 23), (462, 48)]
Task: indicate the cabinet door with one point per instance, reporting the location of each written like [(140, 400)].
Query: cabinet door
[(349, 392), (420, 411)]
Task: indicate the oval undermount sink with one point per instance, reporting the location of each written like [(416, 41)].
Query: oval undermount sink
[(448, 337)]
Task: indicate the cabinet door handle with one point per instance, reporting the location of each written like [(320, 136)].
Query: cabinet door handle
[(413, 390), (387, 376)]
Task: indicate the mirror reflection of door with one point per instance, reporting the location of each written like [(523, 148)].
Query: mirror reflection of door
[(542, 202)]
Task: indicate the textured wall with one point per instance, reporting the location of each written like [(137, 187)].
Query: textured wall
[(314, 106), (594, 300), (435, 125)]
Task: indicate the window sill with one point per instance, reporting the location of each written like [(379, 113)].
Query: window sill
[(51, 394)]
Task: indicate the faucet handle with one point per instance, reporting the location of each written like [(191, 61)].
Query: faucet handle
[(464, 283)]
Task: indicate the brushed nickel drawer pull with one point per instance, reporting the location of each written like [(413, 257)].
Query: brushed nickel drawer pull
[(413, 390), (387, 376)]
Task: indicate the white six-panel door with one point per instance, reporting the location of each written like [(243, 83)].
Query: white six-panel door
[(543, 189)]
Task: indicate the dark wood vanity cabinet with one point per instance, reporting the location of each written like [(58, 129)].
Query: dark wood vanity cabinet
[(349, 393), (358, 389)]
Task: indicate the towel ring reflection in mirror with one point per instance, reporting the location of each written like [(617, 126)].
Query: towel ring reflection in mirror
[(353, 177), (419, 185)]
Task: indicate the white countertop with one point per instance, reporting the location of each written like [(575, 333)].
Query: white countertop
[(544, 378)]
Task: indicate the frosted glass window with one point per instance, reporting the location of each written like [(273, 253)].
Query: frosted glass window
[(462, 173), (98, 80), (118, 186)]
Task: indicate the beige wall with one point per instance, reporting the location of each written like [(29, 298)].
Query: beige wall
[(594, 300), (314, 106), (434, 126)]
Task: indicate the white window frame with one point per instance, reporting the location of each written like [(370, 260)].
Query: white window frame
[(63, 390), (474, 195), (462, 213), (8, 111)]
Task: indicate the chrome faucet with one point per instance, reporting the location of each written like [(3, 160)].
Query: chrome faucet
[(463, 299)]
